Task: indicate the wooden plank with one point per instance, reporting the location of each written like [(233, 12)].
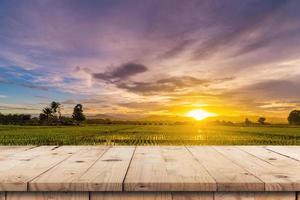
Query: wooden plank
[(13, 160), (192, 196), (16, 178), (285, 167), (167, 169), (275, 178), (108, 173), (130, 196), (10, 150), (228, 175), (64, 176), (288, 151), (47, 196), (255, 196), (2, 196), (272, 157)]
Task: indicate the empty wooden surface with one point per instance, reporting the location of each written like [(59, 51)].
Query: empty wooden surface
[(131, 196), (109, 172), (47, 196), (67, 172), (150, 169), (255, 196), (149, 196), (167, 169), (276, 178), (228, 175)]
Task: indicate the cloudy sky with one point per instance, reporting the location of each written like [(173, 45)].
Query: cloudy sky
[(151, 57)]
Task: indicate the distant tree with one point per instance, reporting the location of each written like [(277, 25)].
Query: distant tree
[(42, 117), (56, 108), (66, 121), (48, 113), (78, 115), (247, 122), (261, 120), (17, 119), (294, 117)]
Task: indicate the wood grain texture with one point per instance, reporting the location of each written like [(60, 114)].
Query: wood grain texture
[(64, 176), (255, 196), (167, 169), (288, 151), (275, 178), (192, 196), (107, 173), (286, 167), (10, 150), (17, 177), (130, 196), (228, 175), (47, 196), (2, 196), (150, 169), (271, 157), (13, 160)]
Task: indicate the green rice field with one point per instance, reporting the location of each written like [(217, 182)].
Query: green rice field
[(149, 135)]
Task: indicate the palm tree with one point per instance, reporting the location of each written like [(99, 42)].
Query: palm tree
[(48, 112), (56, 107)]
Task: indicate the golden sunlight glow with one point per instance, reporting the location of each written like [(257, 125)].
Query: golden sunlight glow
[(199, 114)]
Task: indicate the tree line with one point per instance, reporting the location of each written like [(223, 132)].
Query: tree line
[(293, 119), (50, 115)]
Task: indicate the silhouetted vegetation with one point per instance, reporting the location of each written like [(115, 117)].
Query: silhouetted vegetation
[(261, 120), (15, 119), (247, 122), (78, 115), (51, 115), (294, 117)]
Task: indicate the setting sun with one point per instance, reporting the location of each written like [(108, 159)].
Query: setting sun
[(199, 114)]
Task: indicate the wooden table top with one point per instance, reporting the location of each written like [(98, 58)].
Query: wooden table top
[(150, 168)]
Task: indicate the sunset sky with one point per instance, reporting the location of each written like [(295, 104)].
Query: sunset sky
[(151, 57)]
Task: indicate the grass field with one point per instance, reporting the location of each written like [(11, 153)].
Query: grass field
[(149, 135)]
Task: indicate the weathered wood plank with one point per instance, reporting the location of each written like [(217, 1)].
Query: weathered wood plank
[(192, 196), (108, 173), (64, 176), (275, 178), (13, 160), (2, 196), (16, 178), (285, 167), (228, 175), (255, 196), (130, 196), (288, 151), (167, 169), (272, 157), (47, 196), (10, 150)]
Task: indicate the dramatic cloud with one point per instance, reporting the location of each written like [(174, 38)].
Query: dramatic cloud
[(274, 89), (248, 19), (120, 56), (168, 85), (122, 72)]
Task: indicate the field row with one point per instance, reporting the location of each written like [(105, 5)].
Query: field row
[(149, 135)]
